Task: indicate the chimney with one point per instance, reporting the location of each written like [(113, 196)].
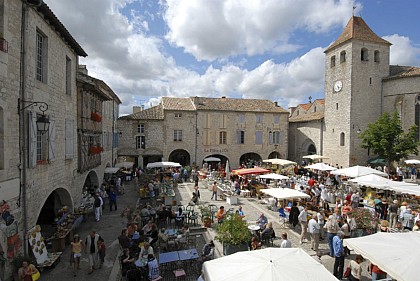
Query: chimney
[(83, 69), (276, 104), (136, 109), (223, 97)]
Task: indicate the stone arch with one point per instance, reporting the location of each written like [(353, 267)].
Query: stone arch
[(90, 182), (308, 148), (180, 156), (250, 158), (274, 154), (57, 199)]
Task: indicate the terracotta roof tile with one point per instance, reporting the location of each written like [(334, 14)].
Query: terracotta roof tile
[(320, 101), (307, 117), (305, 106), (152, 113), (230, 104), (396, 71), (170, 103), (357, 28)]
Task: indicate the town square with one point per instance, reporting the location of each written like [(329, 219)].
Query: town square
[(209, 140)]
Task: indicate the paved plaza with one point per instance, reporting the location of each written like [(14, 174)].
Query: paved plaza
[(111, 224)]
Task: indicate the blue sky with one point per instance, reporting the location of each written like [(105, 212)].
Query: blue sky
[(268, 49)]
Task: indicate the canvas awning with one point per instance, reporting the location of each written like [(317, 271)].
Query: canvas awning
[(315, 157), (284, 193), (269, 264), (111, 170), (126, 165), (250, 171), (212, 159), (282, 162), (321, 167), (379, 182), (357, 171), (162, 165), (274, 177), (393, 253)]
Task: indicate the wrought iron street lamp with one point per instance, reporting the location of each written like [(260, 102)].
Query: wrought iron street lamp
[(42, 122)]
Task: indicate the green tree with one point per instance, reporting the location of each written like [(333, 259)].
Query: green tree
[(387, 138)]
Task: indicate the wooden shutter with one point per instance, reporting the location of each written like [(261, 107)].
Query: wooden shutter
[(51, 140), (32, 140), (69, 139)]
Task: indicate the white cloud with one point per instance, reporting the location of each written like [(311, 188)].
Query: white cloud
[(139, 68), (403, 52), (220, 28)]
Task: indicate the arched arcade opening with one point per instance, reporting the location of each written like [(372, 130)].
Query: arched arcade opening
[(180, 156)]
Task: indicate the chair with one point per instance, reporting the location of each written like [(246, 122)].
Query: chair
[(284, 218), (267, 238), (192, 217), (179, 273), (134, 275)]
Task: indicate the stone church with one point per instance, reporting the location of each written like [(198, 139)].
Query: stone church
[(360, 84)]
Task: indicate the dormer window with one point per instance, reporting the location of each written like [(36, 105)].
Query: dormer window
[(364, 54), (342, 56)]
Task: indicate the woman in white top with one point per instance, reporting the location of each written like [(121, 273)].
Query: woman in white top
[(356, 269)]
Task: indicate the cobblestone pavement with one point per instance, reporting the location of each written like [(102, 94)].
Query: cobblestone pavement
[(111, 224)]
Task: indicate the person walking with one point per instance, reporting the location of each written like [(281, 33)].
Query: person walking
[(98, 207), (338, 255), (92, 249), (214, 190), (76, 253), (112, 199), (332, 229), (303, 219), (314, 230)]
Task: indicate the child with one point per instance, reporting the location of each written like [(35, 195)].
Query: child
[(101, 251)]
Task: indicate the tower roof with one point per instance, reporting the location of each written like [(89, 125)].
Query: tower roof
[(357, 28)]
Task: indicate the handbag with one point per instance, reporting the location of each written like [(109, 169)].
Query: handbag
[(347, 272), (36, 276)]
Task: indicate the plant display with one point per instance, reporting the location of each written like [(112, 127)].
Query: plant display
[(233, 231), (365, 219)]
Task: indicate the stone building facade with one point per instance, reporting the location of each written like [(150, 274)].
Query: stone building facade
[(188, 130), (360, 85), (38, 171), (306, 129)]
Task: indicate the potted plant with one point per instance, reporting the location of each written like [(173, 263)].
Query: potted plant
[(206, 215), (234, 234)]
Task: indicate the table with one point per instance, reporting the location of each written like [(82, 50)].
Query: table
[(168, 257), (190, 254), (171, 232), (254, 227), (141, 262)]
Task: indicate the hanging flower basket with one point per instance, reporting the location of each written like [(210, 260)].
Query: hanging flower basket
[(96, 117), (96, 149)]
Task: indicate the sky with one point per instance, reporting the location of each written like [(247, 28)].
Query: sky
[(260, 49)]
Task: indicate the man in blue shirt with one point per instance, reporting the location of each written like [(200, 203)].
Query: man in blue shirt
[(338, 255)]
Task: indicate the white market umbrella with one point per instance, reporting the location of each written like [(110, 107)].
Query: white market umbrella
[(357, 171), (379, 182), (392, 252), (227, 170), (282, 162), (162, 165), (284, 193), (273, 176), (269, 264), (212, 159), (412, 161), (321, 167), (315, 157), (126, 165)]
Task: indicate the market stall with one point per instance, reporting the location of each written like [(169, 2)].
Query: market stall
[(392, 252), (285, 193), (321, 167), (267, 264)]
